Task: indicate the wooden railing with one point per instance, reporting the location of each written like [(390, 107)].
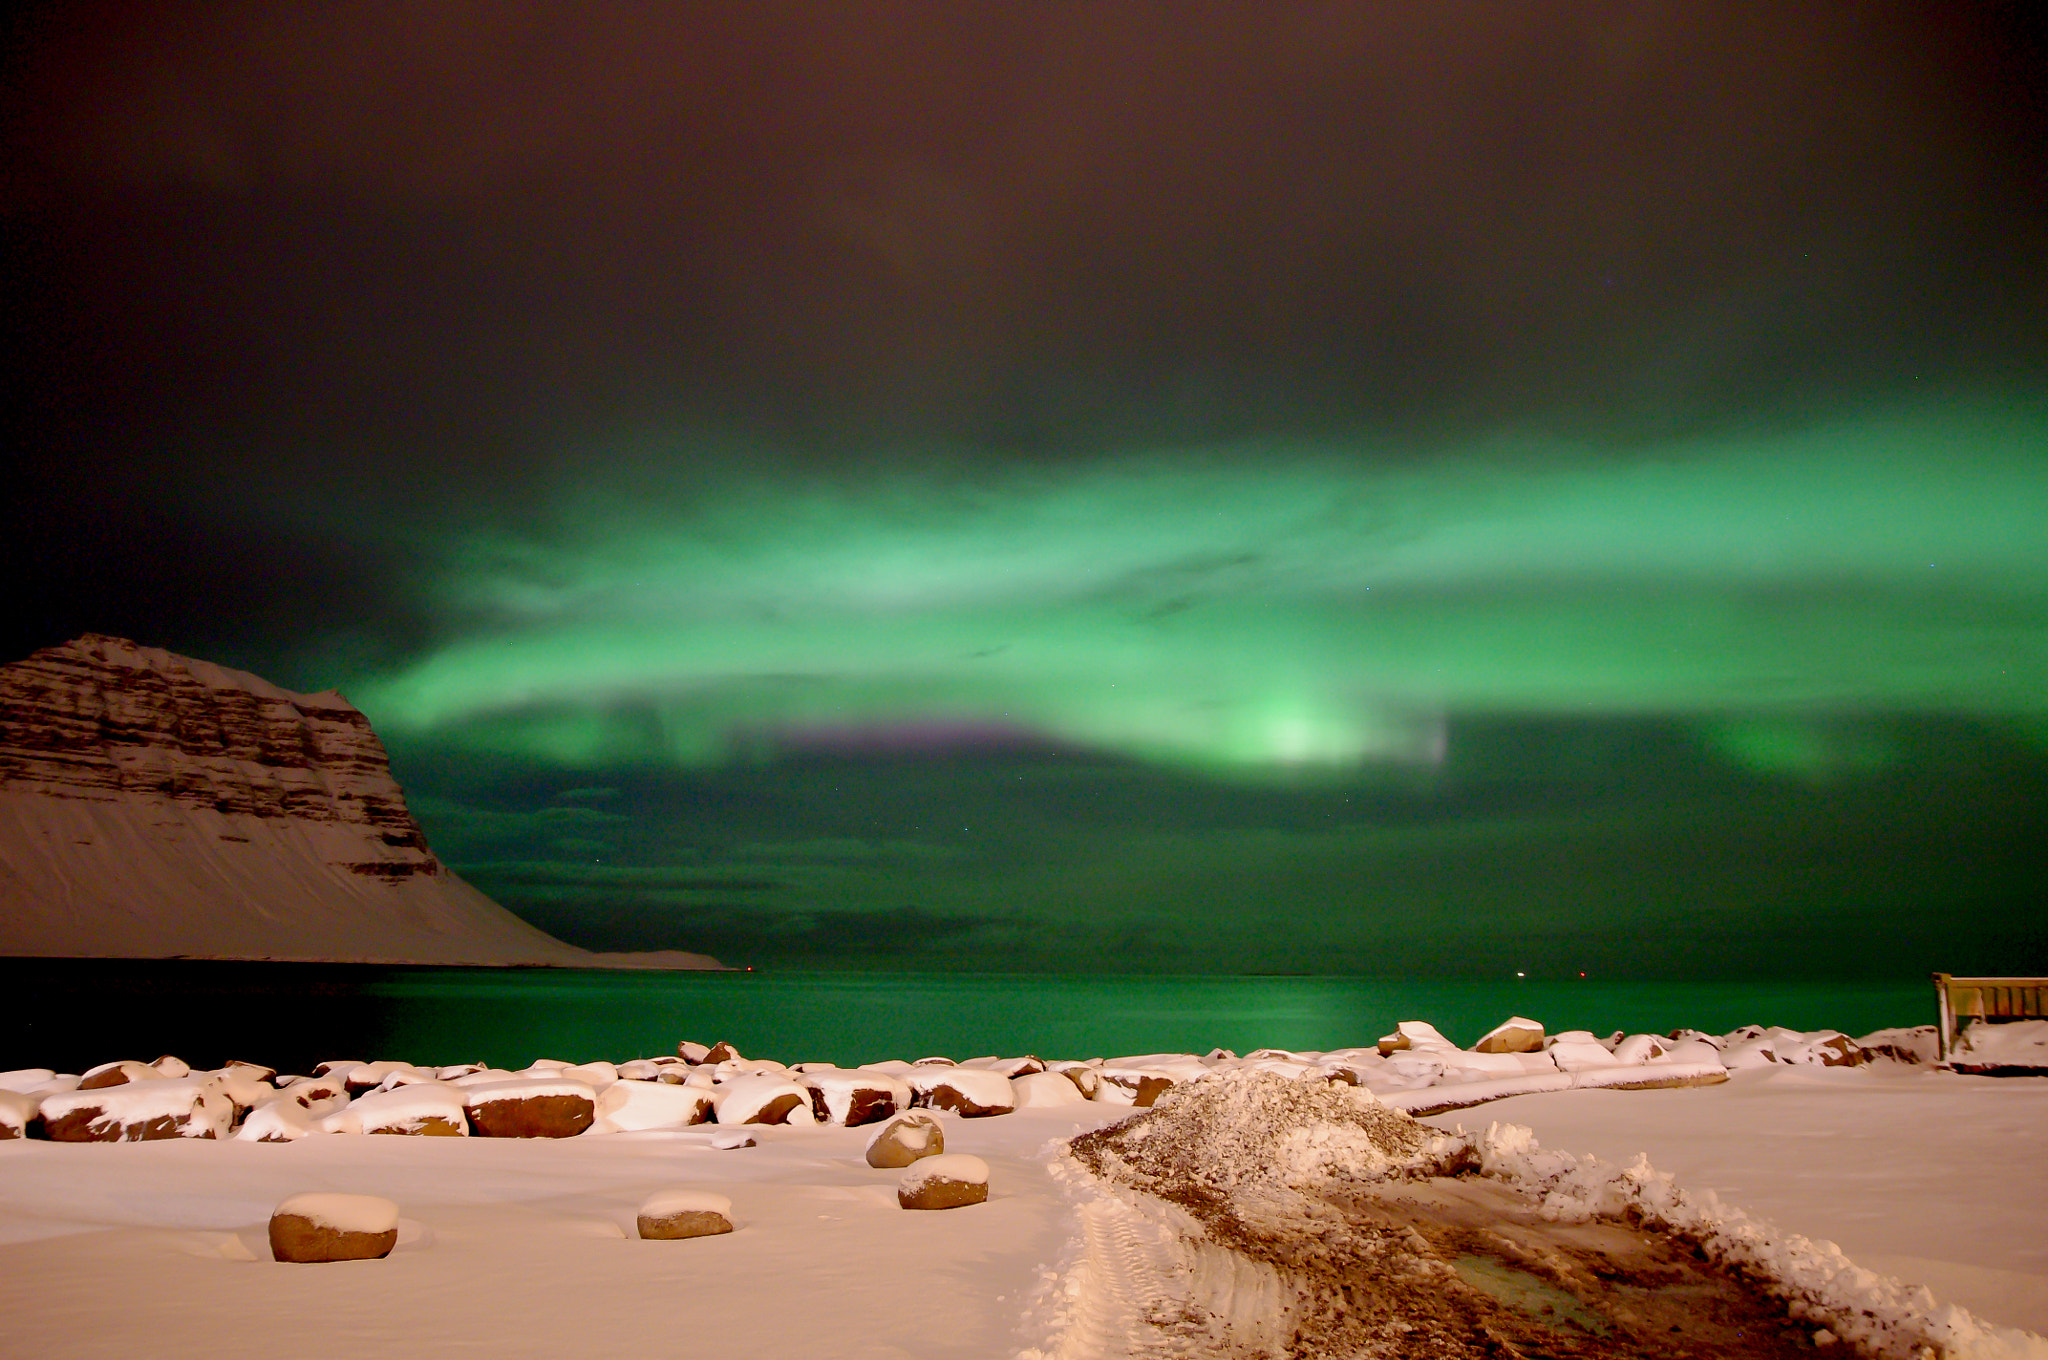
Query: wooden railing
[(1959, 999)]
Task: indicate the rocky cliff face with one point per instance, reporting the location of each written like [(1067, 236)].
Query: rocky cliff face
[(103, 719), (152, 805)]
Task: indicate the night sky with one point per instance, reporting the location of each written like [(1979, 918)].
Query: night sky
[(1439, 489)]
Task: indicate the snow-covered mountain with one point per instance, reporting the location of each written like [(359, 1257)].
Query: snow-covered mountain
[(153, 806)]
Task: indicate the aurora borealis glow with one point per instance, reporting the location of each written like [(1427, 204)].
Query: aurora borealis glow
[(929, 489)]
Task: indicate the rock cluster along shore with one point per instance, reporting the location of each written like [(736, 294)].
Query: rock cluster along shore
[(1415, 1069)]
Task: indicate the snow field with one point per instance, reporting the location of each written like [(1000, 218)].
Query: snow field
[(1937, 1168)]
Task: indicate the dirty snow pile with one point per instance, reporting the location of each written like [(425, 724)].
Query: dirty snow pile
[(1247, 1144), (1237, 1216), (1881, 1317)]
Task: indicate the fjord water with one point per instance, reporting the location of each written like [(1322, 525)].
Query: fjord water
[(71, 1013)]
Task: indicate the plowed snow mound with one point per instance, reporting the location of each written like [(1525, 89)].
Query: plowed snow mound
[(1357, 1236)]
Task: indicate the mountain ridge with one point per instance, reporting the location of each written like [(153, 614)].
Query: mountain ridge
[(157, 806)]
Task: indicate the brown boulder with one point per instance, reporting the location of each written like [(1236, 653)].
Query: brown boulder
[(137, 1112), (907, 1138), (1512, 1036), (112, 1074), (970, 1092), (948, 1182), (1085, 1078), (315, 1228), (672, 1214), (530, 1109), (718, 1053)]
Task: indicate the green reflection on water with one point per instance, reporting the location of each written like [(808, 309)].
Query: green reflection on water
[(511, 1017)]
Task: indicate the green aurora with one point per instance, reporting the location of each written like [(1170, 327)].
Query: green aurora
[(1698, 706)]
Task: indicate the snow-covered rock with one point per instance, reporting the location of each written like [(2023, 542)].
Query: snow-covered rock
[(1137, 1086), (26, 1079), (950, 1180), (759, 1098), (1009, 1067), (1413, 1034), (1514, 1035), (530, 1108), (1636, 1049), (1818, 1048), (1914, 1045), (1045, 1088), (904, 1139), (119, 1073), (422, 1108), (967, 1091), (141, 1111), (333, 1227), (855, 1096), (667, 1215), (629, 1105), (282, 1121), (1575, 1050), (17, 1108), (1087, 1080)]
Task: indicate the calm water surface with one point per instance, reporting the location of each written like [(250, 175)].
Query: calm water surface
[(71, 1013)]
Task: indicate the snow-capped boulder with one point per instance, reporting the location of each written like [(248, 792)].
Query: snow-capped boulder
[(1916, 1045), (1576, 1050), (485, 1076), (854, 1096), (26, 1079), (1045, 1088), (667, 1215), (1739, 1055), (318, 1095), (969, 1092), (1009, 1067), (428, 1109), (1820, 1048), (631, 1105), (596, 1075), (692, 1052), (719, 1052), (369, 1076), (1413, 1035), (453, 1070), (1515, 1035), (1461, 1065), (331, 1227), (246, 1087), (762, 1099), (949, 1181), (1692, 1050), (141, 1111), (170, 1065), (119, 1073), (530, 1108), (1087, 1080), (17, 1111), (281, 1121), (1637, 1049), (905, 1139)]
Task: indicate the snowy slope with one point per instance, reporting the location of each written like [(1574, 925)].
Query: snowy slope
[(152, 806)]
